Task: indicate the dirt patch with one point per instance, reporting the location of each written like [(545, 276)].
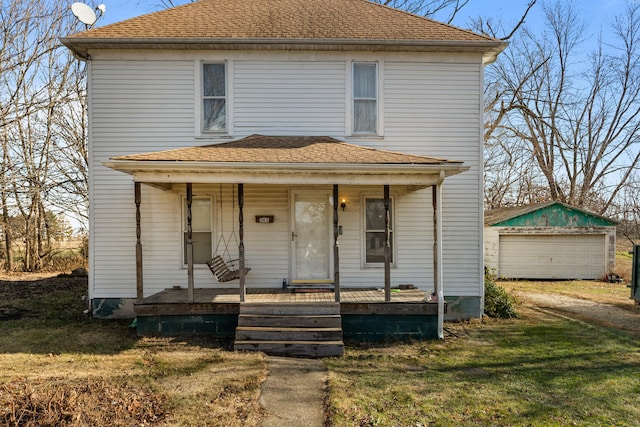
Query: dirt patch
[(34, 287), (598, 313), (21, 294)]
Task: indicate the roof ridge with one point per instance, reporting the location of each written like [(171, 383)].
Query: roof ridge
[(443, 24)]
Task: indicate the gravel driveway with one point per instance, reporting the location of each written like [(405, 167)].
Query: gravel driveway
[(593, 312)]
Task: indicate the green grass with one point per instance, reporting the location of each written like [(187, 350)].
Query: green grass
[(534, 371), (624, 255)]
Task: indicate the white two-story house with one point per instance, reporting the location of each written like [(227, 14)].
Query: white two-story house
[(322, 144)]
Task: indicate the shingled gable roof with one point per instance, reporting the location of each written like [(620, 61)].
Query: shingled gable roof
[(286, 160), (287, 149), (496, 216), (328, 24)]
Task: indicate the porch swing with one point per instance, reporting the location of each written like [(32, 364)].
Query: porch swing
[(225, 271)]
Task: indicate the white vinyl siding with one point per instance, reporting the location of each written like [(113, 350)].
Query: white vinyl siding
[(289, 97), (434, 109), (136, 106), (432, 106), (412, 238)]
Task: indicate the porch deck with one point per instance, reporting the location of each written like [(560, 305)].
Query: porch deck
[(175, 301), (282, 296), (365, 314)]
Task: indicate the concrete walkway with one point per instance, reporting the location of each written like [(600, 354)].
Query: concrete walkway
[(293, 392)]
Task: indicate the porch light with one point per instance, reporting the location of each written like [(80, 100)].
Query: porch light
[(343, 204)]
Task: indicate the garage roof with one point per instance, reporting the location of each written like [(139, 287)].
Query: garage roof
[(550, 214)]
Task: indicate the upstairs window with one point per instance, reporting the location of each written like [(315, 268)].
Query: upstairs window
[(214, 98), (365, 98), (374, 232)]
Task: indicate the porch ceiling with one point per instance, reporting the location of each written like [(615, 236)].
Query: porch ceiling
[(293, 160)]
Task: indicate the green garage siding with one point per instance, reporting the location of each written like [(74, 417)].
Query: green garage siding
[(555, 215)]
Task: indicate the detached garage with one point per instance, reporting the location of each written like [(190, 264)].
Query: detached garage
[(549, 241)]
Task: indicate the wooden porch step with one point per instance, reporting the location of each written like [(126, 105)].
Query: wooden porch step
[(301, 321), (256, 333), (294, 348), (304, 309), (290, 329)]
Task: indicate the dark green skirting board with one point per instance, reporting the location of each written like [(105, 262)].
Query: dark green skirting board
[(356, 328), (371, 328), (221, 326)]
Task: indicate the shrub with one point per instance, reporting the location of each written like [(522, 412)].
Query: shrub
[(497, 302)]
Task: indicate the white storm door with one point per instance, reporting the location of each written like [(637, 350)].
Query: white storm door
[(310, 235)]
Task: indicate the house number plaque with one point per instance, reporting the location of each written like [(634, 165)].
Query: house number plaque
[(264, 219)]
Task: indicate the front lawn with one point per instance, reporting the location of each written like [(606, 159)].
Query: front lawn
[(537, 370), (60, 367)]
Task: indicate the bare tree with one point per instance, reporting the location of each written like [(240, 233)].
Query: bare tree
[(580, 123), (494, 27), (628, 210), (39, 83), (427, 8)]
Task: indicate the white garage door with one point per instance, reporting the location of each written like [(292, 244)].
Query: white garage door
[(578, 256)]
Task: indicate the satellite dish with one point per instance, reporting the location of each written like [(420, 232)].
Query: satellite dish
[(86, 14)]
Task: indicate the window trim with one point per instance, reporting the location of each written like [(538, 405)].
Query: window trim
[(200, 98), (182, 225), (364, 231), (378, 98)]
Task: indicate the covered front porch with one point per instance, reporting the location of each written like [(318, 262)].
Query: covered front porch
[(315, 171)]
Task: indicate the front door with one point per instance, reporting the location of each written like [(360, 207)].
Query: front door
[(310, 235)]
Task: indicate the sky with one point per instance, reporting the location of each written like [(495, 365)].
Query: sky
[(598, 13)]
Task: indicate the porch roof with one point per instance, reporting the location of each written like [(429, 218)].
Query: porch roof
[(285, 160)]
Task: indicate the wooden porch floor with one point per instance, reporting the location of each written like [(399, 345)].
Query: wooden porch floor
[(231, 296)]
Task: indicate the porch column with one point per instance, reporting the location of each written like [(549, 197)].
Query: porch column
[(336, 250), (387, 247), (139, 287), (243, 291), (189, 243), (436, 191)]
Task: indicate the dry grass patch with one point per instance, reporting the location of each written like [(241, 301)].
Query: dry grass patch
[(64, 402), (159, 382), (617, 294), (624, 261), (58, 367)]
